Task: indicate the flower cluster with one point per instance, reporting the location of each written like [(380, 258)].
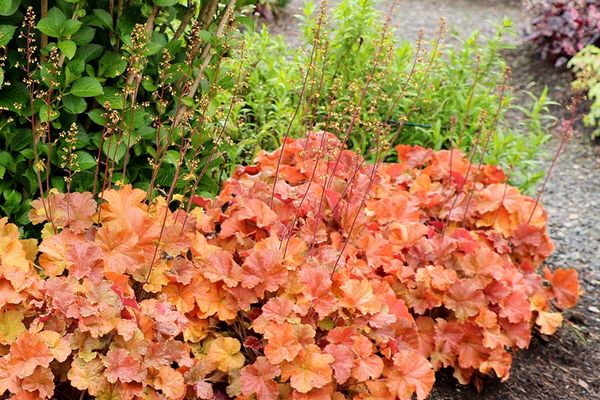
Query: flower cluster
[(342, 280)]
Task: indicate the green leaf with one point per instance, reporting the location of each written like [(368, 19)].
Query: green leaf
[(47, 113), (73, 104), (96, 116), (8, 7), (68, 48), (5, 159), (113, 96), (12, 202), (58, 183), (89, 52), (188, 101), (153, 48), (165, 3), (84, 35), (113, 151), (111, 65), (6, 34), (207, 36), (86, 87), (70, 27), (104, 17), (53, 24), (85, 160)]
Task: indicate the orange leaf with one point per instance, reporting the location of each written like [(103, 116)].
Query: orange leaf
[(310, 369), (549, 322), (41, 381), (29, 352), (257, 379), (285, 341), (121, 366), (170, 382), (411, 373), (565, 286)]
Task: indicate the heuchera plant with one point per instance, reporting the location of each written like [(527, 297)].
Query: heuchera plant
[(299, 287), (564, 27)]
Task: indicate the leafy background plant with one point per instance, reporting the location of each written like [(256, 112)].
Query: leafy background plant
[(586, 65), (132, 76), (443, 81)]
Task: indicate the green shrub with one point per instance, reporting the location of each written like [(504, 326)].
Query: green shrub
[(132, 79), (461, 84), (586, 65)]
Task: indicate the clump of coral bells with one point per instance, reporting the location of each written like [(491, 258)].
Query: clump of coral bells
[(327, 294)]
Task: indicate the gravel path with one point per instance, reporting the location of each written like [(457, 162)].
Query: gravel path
[(566, 365), (411, 16)]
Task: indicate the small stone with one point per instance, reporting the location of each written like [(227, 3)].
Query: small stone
[(594, 309), (583, 384), (573, 216)]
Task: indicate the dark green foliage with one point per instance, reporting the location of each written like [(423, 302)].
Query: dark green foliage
[(123, 73)]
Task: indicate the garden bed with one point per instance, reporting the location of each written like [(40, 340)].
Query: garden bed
[(564, 366)]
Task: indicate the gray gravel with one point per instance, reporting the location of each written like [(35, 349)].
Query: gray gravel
[(411, 16)]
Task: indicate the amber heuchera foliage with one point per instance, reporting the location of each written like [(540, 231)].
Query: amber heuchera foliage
[(326, 294)]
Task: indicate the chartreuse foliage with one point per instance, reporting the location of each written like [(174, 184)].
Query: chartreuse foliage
[(344, 280), (415, 91), (586, 65)]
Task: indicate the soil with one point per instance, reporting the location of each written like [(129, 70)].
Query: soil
[(566, 365)]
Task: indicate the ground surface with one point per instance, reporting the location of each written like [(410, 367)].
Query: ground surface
[(565, 366)]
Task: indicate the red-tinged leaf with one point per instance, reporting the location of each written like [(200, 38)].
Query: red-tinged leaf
[(410, 374), (250, 210), (317, 282), (465, 298), (201, 201), (310, 369), (464, 239), (414, 156), (253, 343), (367, 365), (515, 308), (564, 285), (343, 361), (471, 352), (73, 210), (40, 382), (527, 235), (263, 268), (333, 198), (257, 379), (121, 366)]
